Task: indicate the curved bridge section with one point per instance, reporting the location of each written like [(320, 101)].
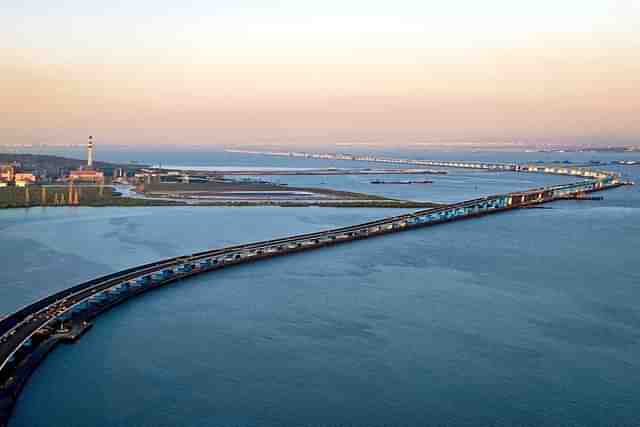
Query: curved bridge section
[(27, 335)]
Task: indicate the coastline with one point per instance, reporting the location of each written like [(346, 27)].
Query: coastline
[(139, 202)]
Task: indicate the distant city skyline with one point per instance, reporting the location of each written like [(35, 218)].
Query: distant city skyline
[(307, 73)]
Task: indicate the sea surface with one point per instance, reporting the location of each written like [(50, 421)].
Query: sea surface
[(524, 318)]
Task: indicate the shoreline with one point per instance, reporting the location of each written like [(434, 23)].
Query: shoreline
[(216, 194), (137, 203)]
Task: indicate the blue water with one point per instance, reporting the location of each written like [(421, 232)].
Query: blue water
[(524, 318), (460, 184), (217, 157), (457, 185)]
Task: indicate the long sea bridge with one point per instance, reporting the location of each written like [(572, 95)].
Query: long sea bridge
[(27, 335)]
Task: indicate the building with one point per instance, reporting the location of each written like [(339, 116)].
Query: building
[(7, 173), (22, 179), (89, 176)]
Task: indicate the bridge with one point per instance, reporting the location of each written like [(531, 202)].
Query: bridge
[(461, 164), (27, 335)]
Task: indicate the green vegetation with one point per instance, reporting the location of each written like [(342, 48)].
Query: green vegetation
[(51, 196), (102, 196)]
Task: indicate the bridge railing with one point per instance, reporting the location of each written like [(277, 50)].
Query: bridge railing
[(15, 318)]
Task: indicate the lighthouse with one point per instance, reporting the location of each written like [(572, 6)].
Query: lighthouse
[(86, 174), (90, 153)]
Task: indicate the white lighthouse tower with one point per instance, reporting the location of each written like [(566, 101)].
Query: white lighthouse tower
[(90, 153), (86, 174)]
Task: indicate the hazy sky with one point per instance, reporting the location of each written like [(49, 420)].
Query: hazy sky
[(297, 71)]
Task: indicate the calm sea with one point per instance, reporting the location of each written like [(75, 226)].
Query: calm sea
[(527, 318)]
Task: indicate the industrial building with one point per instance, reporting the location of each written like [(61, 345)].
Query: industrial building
[(9, 175), (87, 174), (22, 179)]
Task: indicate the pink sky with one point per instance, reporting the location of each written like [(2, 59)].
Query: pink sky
[(236, 76)]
